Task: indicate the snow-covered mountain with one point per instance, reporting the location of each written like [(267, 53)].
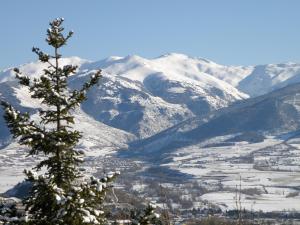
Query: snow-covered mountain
[(145, 96), (275, 113), (266, 78)]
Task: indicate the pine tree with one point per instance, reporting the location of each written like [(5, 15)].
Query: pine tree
[(148, 216), (62, 194)]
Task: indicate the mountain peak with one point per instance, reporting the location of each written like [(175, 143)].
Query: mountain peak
[(181, 56), (174, 54)]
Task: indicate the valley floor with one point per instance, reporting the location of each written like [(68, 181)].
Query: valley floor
[(265, 176), (262, 176)]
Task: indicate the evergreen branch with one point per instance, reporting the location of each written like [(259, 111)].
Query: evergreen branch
[(69, 69), (93, 80), (78, 96), (42, 56), (23, 80), (20, 124)]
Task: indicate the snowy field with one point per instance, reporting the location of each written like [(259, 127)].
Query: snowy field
[(267, 173), (13, 161)]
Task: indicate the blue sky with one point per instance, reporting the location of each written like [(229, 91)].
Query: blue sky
[(236, 32)]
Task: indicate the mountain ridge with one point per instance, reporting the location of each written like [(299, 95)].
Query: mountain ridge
[(146, 96), (136, 92)]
